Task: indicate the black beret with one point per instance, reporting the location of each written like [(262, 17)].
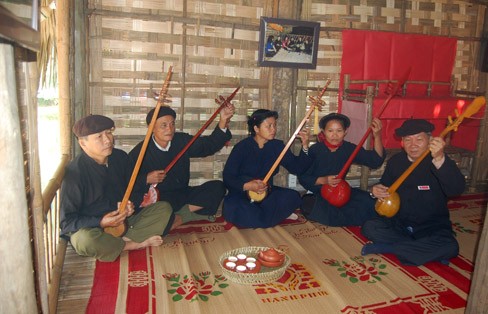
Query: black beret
[(414, 126), (92, 124), (334, 116), (163, 111)]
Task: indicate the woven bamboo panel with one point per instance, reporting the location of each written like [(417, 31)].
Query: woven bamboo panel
[(213, 47), (431, 17)]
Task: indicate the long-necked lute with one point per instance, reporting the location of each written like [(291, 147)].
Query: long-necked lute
[(340, 194), (121, 229), (316, 102), (389, 206), (152, 195)]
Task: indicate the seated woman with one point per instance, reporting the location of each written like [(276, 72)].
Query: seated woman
[(329, 156), (270, 47), (249, 162)]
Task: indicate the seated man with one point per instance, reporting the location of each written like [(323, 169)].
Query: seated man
[(94, 182), (188, 202), (421, 230)]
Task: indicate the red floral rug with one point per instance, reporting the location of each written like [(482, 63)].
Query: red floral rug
[(327, 274)]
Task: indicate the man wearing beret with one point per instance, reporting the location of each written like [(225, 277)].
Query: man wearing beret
[(188, 202), (421, 231), (94, 184)]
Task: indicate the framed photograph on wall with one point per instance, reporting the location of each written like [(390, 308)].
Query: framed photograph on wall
[(288, 43)]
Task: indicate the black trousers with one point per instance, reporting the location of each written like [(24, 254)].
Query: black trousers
[(355, 212), (209, 195), (432, 243)]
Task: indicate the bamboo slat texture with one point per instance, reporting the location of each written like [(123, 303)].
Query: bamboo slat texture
[(213, 48)]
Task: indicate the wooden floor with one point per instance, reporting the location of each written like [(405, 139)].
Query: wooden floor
[(76, 283)]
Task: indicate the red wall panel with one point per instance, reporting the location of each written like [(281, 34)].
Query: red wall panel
[(372, 55)]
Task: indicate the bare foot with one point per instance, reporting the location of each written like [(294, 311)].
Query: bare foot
[(152, 241)]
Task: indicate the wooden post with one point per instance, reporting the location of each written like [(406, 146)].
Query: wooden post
[(479, 172), (282, 88), (477, 298), (80, 72), (16, 271), (184, 47), (478, 294), (62, 45), (364, 181), (28, 79)]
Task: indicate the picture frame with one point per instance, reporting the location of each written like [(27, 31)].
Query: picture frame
[(288, 43)]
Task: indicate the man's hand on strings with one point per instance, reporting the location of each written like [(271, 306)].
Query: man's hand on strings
[(226, 114), (257, 186), (155, 177), (129, 208), (113, 219), (436, 146), (380, 191)]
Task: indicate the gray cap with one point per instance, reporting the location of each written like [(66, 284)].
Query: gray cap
[(92, 124)]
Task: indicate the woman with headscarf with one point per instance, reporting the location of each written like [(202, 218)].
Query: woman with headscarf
[(329, 156)]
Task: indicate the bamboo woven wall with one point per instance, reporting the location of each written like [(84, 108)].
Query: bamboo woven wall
[(213, 46), (459, 19)]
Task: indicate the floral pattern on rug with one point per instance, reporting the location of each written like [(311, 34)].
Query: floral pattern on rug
[(358, 271), (457, 227), (477, 222), (195, 287)]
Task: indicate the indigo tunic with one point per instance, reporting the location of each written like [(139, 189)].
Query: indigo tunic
[(247, 162), (325, 162)]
